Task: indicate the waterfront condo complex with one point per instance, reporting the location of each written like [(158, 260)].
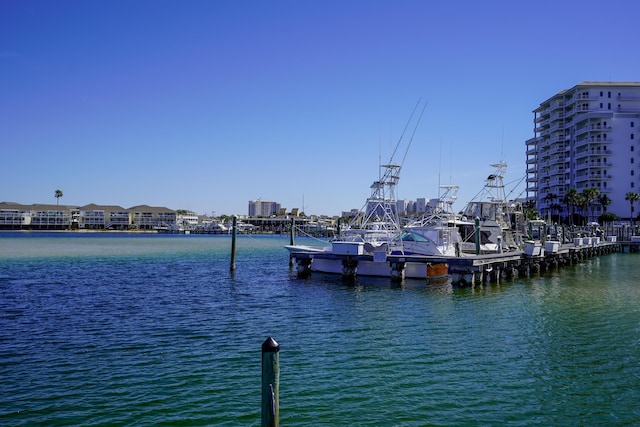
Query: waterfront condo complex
[(586, 137)]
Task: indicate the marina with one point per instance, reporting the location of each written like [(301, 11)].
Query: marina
[(463, 271), (489, 241)]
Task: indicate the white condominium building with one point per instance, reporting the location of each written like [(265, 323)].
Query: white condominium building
[(263, 208), (586, 137)]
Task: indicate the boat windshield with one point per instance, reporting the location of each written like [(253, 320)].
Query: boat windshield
[(412, 237)]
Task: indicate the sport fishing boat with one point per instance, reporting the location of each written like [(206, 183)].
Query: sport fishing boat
[(500, 221), (372, 235), (438, 225)]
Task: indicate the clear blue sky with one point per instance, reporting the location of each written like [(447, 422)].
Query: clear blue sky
[(205, 105)]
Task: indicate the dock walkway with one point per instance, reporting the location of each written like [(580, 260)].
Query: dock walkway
[(471, 270)]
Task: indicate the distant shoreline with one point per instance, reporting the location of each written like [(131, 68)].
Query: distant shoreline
[(84, 231)]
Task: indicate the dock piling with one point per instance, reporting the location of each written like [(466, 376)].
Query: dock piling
[(270, 383), (233, 243), (292, 239), (477, 230)]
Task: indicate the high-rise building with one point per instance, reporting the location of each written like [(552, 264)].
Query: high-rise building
[(263, 208), (586, 137)]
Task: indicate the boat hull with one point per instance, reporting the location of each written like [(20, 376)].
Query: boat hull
[(371, 268)]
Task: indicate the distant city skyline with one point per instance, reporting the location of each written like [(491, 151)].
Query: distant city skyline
[(204, 105)]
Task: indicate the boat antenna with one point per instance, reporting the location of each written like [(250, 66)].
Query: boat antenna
[(439, 168), (415, 128), (379, 157), (403, 131), (502, 146)]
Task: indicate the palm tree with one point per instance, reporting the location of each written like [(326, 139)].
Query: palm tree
[(549, 199), (556, 207), (530, 211), (571, 199), (581, 202), (58, 194), (632, 198), (590, 195), (604, 201)]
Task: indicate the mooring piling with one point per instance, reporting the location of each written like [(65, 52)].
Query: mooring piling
[(292, 235), (270, 383), (233, 243), (477, 231)]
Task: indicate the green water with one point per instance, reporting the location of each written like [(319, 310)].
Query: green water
[(155, 330)]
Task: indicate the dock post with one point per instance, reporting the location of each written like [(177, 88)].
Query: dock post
[(397, 272), (303, 267), (349, 269), (233, 243), (477, 223), (270, 383), (292, 234)]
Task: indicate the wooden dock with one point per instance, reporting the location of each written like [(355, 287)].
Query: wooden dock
[(471, 270)]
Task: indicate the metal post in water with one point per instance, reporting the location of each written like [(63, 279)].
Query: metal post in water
[(233, 243), (477, 223), (270, 383)]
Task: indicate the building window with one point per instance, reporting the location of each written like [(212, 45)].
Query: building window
[(601, 93), (609, 106), (632, 124), (601, 104), (632, 136), (609, 95)]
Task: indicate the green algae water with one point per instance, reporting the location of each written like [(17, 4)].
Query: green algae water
[(144, 330)]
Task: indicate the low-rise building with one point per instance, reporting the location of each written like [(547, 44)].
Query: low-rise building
[(103, 217), (15, 216), (144, 217)]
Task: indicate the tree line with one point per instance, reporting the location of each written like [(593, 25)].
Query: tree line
[(580, 206)]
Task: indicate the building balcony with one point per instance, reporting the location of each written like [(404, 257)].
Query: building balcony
[(556, 104), (601, 165), (556, 126), (582, 154), (541, 128), (556, 171), (555, 182), (541, 118), (558, 151)]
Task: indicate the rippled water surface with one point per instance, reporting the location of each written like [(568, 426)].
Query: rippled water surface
[(155, 330)]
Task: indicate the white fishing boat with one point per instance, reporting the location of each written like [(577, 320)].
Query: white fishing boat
[(438, 225), (491, 217), (371, 236)]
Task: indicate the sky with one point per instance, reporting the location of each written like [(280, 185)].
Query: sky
[(205, 105)]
